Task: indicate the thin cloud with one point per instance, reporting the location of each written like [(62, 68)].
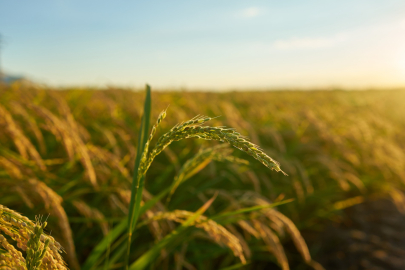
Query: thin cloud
[(250, 12), (309, 43)]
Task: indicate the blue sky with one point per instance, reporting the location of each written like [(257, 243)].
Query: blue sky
[(206, 44)]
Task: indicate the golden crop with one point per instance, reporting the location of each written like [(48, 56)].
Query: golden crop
[(71, 154)]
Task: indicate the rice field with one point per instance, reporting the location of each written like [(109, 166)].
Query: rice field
[(119, 179)]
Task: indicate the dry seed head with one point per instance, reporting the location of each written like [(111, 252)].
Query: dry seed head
[(14, 132), (22, 143), (248, 228), (71, 139), (12, 170), (242, 240), (217, 232), (273, 243), (19, 109), (292, 230)]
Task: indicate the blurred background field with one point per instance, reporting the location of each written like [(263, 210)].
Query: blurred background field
[(318, 86), (70, 154)]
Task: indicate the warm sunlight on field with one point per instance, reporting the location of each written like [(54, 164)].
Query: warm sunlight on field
[(402, 64), (71, 154), (273, 136)]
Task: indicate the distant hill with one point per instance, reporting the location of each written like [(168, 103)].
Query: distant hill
[(10, 79)]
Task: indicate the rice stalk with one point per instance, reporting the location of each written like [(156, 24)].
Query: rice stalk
[(65, 111), (273, 244), (19, 109), (29, 237), (293, 232), (53, 202), (193, 129), (15, 133), (12, 170), (71, 139), (23, 194), (35, 249), (247, 227), (242, 241), (217, 232), (22, 143)]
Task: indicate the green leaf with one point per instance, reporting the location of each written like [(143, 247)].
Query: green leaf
[(250, 209), (137, 184)]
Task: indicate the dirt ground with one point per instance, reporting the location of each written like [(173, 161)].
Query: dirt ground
[(371, 237)]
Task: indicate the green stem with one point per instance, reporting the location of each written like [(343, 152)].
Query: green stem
[(137, 184)]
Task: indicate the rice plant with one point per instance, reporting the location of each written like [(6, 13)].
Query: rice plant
[(193, 204), (42, 251)]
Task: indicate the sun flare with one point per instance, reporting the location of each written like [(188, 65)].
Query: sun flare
[(402, 64)]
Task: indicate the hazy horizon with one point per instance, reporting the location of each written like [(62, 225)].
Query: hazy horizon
[(217, 45)]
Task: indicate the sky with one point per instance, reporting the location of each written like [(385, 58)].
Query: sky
[(222, 44)]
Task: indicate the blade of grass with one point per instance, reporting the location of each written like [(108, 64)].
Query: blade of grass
[(137, 184), (152, 253), (250, 209)]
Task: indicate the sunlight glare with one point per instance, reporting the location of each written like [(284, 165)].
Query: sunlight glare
[(401, 63)]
